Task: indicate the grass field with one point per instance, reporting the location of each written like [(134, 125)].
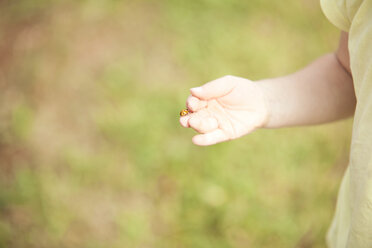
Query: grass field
[(91, 151)]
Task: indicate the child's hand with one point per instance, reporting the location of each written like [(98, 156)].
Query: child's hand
[(225, 109)]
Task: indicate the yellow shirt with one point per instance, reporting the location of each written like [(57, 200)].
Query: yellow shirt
[(352, 223)]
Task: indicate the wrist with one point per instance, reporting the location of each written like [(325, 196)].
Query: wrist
[(267, 110), (273, 105)]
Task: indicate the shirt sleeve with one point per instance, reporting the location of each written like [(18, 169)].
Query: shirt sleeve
[(335, 11)]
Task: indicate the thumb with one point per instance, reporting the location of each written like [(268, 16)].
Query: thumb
[(214, 89)]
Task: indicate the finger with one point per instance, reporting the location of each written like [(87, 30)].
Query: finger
[(203, 125), (184, 121), (195, 104), (214, 89), (211, 138)]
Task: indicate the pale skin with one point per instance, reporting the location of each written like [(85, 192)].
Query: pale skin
[(230, 107)]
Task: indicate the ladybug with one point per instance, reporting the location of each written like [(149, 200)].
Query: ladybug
[(184, 112)]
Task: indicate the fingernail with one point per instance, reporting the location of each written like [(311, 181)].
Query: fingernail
[(196, 90)]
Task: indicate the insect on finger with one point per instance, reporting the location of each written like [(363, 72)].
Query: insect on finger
[(184, 112)]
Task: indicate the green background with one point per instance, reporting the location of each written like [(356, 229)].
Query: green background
[(91, 151)]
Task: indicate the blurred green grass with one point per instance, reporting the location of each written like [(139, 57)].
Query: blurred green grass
[(91, 152)]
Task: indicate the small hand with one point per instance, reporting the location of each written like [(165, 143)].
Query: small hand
[(225, 109)]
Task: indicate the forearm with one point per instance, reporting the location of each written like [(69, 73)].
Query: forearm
[(321, 92)]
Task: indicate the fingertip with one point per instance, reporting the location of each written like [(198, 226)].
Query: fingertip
[(197, 92), (203, 140), (211, 138), (195, 104), (198, 140), (215, 89), (192, 103), (184, 121)]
